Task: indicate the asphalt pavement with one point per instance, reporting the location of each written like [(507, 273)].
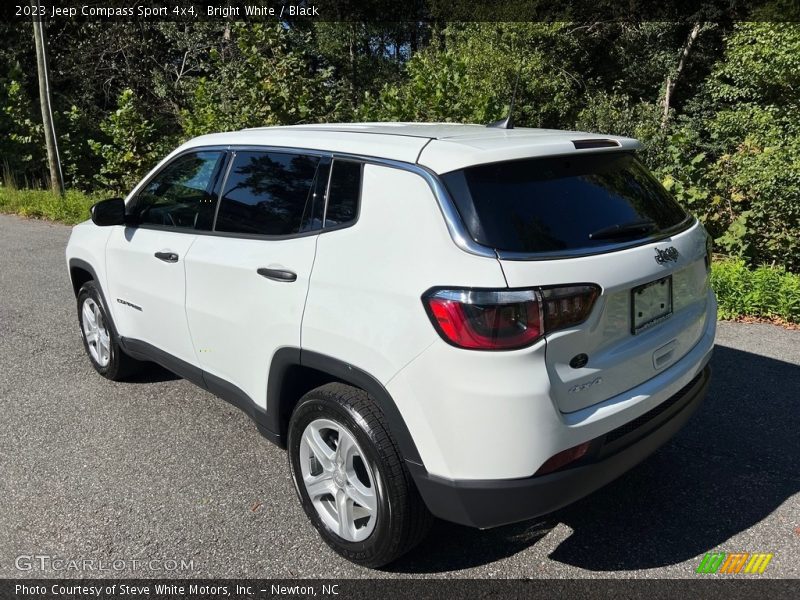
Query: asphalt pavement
[(156, 470)]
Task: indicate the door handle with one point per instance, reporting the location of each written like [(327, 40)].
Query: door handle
[(278, 274), (169, 257)]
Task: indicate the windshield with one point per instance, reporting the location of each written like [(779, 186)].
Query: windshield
[(566, 203)]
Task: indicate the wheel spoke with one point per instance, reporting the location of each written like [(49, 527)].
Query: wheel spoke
[(103, 347), (104, 340), (361, 495), (344, 514), (320, 485), (344, 448), (91, 336), (88, 316), (359, 512), (323, 453)]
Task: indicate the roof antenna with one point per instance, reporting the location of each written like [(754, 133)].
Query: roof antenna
[(507, 122)]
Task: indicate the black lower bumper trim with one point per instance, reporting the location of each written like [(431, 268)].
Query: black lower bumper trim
[(491, 503)]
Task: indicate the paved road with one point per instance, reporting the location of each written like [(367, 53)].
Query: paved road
[(158, 469)]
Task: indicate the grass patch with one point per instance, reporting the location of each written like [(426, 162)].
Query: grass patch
[(71, 208), (767, 292)]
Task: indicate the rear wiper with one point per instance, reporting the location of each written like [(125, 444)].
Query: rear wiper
[(623, 230)]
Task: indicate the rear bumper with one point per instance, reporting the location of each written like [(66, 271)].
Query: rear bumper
[(490, 503)]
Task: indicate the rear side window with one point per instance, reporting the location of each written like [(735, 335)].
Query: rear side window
[(267, 193), (344, 193), (562, 203), (180, 194)]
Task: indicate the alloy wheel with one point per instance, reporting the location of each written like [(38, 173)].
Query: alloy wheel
[(95, 332), (338, 480)]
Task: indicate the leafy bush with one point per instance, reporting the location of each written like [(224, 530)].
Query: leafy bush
[(268, 78), (734, 158), (768, 291), (22, 139), (470, 75), (616, 113), (135, 144), (80, 163)]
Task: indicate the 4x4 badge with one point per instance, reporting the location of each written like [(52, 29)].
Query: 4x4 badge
[(666, 255)]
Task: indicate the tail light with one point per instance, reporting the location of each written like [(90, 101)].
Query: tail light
[(506, 319), (562, 459), (567, 306)]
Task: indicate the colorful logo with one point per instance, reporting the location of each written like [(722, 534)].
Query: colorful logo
[(730, 564)]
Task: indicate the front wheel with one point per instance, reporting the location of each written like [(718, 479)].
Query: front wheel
[(99, 340), (350, 478)]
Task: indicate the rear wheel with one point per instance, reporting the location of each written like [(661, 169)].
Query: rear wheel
[(350, 478), (99, 340)]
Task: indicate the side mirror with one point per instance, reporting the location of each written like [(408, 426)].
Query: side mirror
[(109, 212)]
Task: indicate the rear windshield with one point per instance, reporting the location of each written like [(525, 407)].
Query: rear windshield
[(556, 204)]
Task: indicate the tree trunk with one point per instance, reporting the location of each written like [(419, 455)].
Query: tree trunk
[(43, 68), (672, 80), (352, 32)]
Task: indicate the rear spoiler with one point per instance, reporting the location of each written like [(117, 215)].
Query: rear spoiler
[(598, 143)]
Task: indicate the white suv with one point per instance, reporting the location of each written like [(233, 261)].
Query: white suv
[(473, 323)]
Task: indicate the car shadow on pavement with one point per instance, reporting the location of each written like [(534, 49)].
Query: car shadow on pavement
[(733, 464), (451, 547)]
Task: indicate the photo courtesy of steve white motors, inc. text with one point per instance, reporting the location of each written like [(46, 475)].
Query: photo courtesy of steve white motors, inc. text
[(171, 589), (190, 11)]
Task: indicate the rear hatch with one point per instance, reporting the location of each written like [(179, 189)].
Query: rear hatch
[(595, 219)]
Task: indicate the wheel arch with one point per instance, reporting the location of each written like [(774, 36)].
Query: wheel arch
[(79, 273), (294, 372)]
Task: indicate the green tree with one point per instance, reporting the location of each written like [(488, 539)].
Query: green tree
[(133, 145), (366, 56), (469, 76), (738, 148), (267, 77), (22, 139), (79, 160)]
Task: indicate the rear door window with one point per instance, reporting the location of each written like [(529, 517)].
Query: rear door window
[(268, 193), (568, 203)]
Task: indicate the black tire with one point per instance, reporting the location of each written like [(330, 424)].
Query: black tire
[(119, 365), (403, 519)]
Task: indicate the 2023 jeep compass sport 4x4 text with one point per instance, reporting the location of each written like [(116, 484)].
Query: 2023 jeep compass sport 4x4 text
[(472, 323)]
